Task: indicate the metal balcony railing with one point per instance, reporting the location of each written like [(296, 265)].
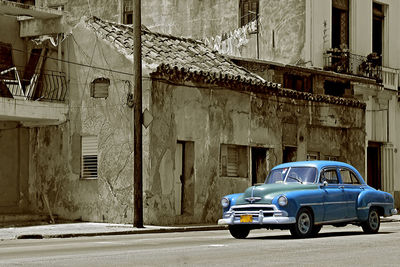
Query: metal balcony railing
[(343, 61), (46, 86)]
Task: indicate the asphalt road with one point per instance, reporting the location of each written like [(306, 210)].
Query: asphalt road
[(346, 246)]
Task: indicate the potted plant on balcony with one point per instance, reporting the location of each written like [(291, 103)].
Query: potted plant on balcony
[(338, 59)]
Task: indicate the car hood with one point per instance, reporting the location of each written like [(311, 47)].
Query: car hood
[(264, 194)]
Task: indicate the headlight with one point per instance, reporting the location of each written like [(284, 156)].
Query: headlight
[(225, 202), (282, 201)]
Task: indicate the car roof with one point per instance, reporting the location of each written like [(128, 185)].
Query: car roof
[(319, 164)]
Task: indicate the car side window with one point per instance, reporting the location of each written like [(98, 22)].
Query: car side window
[(348, 177), (330, 176), (354, 178)]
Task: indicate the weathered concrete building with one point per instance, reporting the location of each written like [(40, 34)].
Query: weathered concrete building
[(307, 40), (216, 129)]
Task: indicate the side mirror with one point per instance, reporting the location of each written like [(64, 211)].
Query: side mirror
[(325, 183)]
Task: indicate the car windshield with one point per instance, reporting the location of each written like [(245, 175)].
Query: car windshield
[(292, 175)]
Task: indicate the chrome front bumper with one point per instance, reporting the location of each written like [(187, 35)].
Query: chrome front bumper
[(261, 214)]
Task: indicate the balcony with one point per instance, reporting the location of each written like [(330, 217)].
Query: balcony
[(343, 61), (50, 86), (390, 78), (34, 99)]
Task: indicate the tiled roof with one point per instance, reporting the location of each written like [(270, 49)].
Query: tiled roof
[(184, 54), (186, 59)]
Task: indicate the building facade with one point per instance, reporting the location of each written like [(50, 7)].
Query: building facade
[(357, 38)]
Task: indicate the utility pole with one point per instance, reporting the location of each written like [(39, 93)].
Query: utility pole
[(137, 84)]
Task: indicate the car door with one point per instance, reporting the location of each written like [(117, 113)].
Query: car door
[(352, 188), (333, 195)]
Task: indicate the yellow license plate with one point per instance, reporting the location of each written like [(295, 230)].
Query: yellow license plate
[(246, 218)]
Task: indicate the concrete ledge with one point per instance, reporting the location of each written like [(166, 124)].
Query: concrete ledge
[(65, 233)]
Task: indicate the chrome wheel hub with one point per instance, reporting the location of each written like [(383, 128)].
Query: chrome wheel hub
[(304, 223)]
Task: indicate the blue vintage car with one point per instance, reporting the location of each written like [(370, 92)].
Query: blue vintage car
[(304, 196)]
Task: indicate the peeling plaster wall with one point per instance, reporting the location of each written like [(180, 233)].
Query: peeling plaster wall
[(56, 150), (210, 118)]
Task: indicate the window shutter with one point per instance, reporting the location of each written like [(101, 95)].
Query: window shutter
[(89, 157), (232, 166), (99, 88)]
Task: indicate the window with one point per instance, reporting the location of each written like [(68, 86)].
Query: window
[(89, 157), (330, 176), (313, 156), (127, 12), (234, 161), (348, 177), (297, 82), (99, 88), (333, 158), (340, 24), (248, 11), (378, 29)]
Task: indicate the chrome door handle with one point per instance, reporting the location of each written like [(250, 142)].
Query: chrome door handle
[(341, 187)]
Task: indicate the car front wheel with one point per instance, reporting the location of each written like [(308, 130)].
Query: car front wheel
[(239, 231), (371, 226), (304, 224)]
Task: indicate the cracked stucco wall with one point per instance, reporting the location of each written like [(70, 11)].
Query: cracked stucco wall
[(210, 118), (56, 150)]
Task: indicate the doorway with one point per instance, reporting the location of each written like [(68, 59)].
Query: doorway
[(184, 178), (374, 165), (259, 164)]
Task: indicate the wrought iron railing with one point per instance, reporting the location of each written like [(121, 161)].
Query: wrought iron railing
[(45, 86), (343, 61)]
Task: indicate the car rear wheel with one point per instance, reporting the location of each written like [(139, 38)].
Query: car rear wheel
[(304, 225), (371, 226), (239, 231)]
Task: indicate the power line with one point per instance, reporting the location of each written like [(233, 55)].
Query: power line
[(71, 62)]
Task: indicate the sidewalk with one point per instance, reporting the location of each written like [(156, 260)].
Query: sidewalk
[(66, 230)]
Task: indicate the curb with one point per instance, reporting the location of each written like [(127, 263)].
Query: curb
[(128, 232)]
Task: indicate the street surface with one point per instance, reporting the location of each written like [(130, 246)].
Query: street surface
[(346, 246)]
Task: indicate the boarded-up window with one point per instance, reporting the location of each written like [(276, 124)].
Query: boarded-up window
[(234, 161), (89, 157), (99, 88)]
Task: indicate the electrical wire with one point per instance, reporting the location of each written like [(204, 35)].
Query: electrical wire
[(74, 63)]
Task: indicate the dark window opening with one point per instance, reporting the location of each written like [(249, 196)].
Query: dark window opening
[(25, 2), (340, 24), (127, 12), (297, 82), (377, 30), (248, 11), (289, 154), (335, 88)]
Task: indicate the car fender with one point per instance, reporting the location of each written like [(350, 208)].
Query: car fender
[(376, 198)]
